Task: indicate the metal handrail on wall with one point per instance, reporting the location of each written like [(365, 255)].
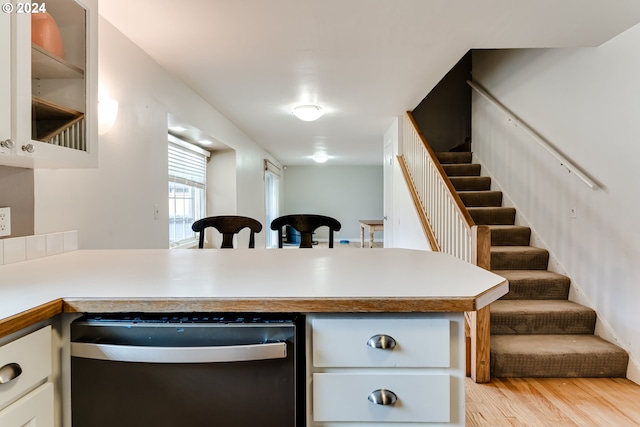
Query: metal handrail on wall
[(546, 145)]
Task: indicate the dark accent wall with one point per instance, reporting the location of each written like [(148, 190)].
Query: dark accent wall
[(444, 115), (17, 193)]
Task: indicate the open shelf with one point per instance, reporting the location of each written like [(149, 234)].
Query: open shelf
[(46, 65)]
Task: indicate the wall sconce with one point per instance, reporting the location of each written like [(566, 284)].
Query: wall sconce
[(107, 113)]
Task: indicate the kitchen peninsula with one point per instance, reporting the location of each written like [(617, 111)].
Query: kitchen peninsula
[(349, 287)]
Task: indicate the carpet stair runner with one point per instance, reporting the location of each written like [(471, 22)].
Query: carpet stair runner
[(535, 330)]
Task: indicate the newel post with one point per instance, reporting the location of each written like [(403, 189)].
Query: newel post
[(478, 326)]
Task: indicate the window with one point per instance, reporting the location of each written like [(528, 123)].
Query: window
[(187, 190), (271, 193)]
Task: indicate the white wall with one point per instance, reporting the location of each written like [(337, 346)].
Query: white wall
[(587, 103), (346, 193), (112, 206)]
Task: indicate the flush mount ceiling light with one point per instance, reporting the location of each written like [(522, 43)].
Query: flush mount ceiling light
[(308, 113), (320, 158)]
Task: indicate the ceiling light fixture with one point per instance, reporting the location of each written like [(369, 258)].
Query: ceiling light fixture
[(320, 158), (308, 113)]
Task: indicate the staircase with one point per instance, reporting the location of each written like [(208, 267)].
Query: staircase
[(535, 330)]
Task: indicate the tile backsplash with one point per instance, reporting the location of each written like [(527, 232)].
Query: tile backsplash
[(17, 249)]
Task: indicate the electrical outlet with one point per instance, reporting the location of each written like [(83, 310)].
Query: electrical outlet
[(156, 211), (5, 221)]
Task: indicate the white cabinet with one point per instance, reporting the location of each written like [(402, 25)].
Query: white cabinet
[(26, 396), (386, 369), (5, 81), (420, 397), (35, 409), (50, 117)]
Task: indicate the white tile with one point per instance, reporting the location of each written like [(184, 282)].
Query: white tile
[(15, 250), (36, 246), (55, 243), (70, 239)]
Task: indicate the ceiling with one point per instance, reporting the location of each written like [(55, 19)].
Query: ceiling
[(364, 61)]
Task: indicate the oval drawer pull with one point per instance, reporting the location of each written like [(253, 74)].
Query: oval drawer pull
[(9, 372), (382, 397), (384, 342)]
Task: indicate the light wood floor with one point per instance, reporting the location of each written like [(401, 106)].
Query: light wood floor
[(581, 402)]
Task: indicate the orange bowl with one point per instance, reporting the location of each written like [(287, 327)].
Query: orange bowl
[(46, 34)]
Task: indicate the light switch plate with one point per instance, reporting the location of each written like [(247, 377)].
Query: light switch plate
[(5, 221)]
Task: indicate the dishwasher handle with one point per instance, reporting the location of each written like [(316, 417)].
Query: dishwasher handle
[(147, 354)]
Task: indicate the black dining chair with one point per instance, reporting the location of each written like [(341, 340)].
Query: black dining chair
[(306, 225), (228, 225)]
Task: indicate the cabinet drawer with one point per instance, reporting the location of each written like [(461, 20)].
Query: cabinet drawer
[(32, 353), (34, 409), (418, 342), (344, 397)]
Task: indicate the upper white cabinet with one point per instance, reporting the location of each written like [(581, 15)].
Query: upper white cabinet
[(51, 119)]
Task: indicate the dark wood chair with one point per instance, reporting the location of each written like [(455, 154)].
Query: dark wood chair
[(228, 225), (306, 225)]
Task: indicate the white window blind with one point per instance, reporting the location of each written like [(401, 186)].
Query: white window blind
[(187, 190), (187, 165)]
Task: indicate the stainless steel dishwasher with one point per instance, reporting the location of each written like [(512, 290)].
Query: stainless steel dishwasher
[(187, 369)]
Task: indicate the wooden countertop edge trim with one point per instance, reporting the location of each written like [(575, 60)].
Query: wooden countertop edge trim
[(30, 317), (52, 308), (271, 305)]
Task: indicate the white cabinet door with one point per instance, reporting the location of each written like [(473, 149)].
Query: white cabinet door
[(346, 342), (5, 79), (418, 397), (33, 410), (32, 354), (49, 103)]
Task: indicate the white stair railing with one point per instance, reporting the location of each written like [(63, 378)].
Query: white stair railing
[(450, 229), (72, 136), (452, 226)]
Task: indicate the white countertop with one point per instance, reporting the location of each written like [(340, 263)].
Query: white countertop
[(261, 275)]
